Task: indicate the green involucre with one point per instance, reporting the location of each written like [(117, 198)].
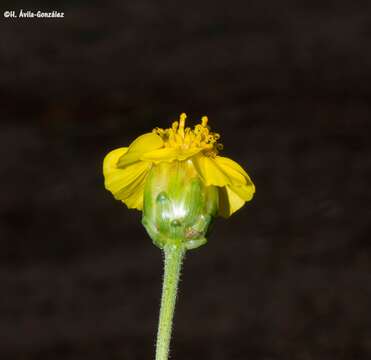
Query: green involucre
[(178, 208)]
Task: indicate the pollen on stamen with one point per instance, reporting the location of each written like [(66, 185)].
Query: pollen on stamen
[(182, 119), (178, 136), (174, 126)]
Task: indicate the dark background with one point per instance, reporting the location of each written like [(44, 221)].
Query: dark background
[(288, 84)]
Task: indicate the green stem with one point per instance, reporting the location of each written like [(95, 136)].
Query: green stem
[(173, 262)]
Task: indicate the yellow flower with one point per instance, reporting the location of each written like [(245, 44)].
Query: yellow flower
[(126, 169)]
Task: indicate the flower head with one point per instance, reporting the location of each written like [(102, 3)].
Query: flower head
[(126, 170)]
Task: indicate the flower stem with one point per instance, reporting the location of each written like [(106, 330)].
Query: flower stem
[(172, 265)]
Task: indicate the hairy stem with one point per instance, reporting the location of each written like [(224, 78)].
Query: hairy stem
[(173, 262)]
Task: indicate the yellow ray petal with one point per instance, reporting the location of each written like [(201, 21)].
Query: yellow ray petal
[(138, 147), (234, 171), (235, 186), (111, 159), (169, 154), (245, 192), (210, 172), (221, 171), (134, 200), (232, 198), (125, 184)]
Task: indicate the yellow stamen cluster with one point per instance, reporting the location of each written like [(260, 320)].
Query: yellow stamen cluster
[(181, 137)]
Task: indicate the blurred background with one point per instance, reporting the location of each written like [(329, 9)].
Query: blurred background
[(288, 86)]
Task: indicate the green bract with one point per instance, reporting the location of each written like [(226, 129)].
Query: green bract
[(178, 207)]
